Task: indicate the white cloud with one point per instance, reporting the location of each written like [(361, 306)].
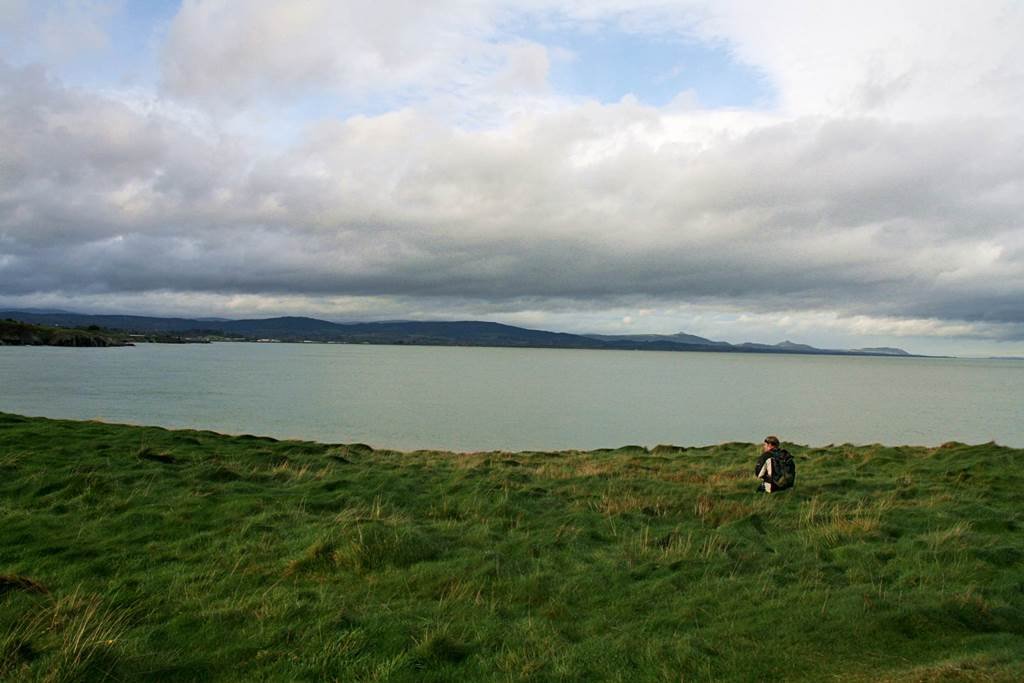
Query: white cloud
[(912, 60), (77, 26), (56, 32), (233, 52), (526, 70), (882, 198)]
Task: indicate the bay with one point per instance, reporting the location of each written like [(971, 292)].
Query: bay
[(467, 399)]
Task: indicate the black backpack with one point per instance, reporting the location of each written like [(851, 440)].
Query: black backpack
[(783, 469)]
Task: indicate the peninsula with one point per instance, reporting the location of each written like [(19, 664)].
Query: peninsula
[(406, 332), (14, 333)]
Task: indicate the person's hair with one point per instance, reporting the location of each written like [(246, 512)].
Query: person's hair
[(772, 441)]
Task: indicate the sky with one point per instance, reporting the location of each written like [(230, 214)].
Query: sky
[(841, 174)]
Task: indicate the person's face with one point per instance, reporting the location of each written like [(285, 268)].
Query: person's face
[(765, 447)]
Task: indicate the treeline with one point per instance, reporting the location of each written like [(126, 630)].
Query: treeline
[(14, 333)]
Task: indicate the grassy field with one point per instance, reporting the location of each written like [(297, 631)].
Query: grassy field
[(142, 553)]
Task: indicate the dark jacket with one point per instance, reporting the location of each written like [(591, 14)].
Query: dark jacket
[(776, 452)]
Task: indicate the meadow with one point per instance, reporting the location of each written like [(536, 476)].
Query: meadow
[(130, 553)]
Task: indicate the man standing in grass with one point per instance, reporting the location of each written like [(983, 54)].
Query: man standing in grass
[(775, 468)]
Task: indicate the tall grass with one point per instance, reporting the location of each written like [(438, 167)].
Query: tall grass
[(131, 553), (80, 634)]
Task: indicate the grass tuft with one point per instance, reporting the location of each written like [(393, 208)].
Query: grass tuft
[(12, 582), (76, 636), (147, 453)]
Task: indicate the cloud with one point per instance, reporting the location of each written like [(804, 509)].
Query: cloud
[(402, 204), (526, 70), (59, 32), (920, 59), (877, 200), (913, 61), (234, 53)]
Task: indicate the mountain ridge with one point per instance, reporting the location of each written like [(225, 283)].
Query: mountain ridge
[(434, 333)]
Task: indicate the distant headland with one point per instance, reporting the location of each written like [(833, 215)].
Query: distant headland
[(15, 333), (431, 333)]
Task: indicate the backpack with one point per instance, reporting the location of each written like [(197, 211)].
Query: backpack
[(783, 469)]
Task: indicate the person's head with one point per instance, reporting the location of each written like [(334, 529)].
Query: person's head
[(770, 443)]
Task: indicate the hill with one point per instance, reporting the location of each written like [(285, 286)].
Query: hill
[(692, 342), (679, 338), (884, 350), (133, 553), (444, 333), (14, 333)]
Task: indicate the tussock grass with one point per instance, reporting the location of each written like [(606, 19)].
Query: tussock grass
[(837, 523), (20, 583), (364, 546), (134, 553), (80, 634), (147, 453)]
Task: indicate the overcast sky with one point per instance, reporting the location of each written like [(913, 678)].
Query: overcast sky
[(835, 173)]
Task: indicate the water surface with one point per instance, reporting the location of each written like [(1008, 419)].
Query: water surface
[(515, 399)]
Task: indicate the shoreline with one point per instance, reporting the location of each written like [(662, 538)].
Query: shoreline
[(657, 449)]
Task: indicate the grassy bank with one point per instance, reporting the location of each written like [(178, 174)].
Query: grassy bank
[(136, 552)]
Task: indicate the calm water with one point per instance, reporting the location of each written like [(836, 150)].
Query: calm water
[(482, 398)]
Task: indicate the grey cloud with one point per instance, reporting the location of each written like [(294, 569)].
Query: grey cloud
[(855, 215)]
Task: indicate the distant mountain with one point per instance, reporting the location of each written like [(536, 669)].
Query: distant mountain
[(39, 310), (129, 323), (467, 333), (883, 351), (455, 333), (783, 346), (683, 339), (678, 338), (793, 346)]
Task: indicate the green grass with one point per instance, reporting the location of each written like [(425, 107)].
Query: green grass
[(142, 553)]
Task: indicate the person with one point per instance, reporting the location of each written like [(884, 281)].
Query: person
[(775, 468)]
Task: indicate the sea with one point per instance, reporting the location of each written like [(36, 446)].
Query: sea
[(476, 399)]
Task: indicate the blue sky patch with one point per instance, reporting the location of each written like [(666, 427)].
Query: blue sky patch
[(608, 64)]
